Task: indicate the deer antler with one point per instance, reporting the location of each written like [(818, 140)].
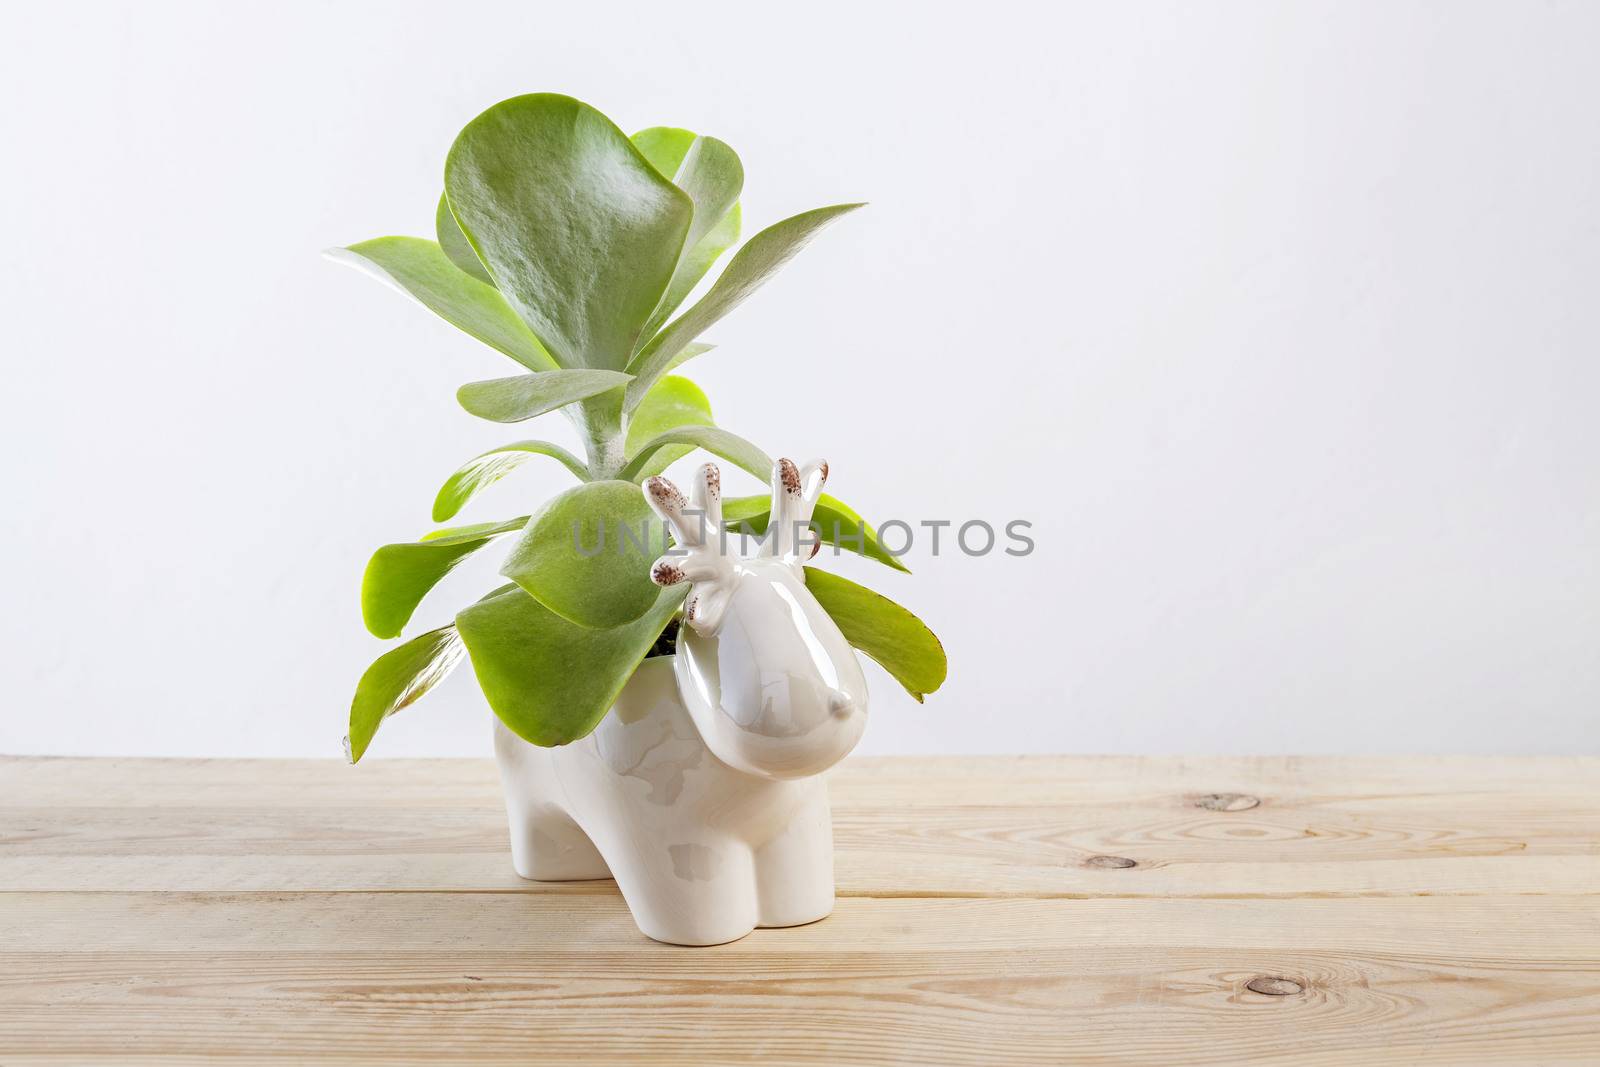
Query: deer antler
[(701, 558), (794, 497)]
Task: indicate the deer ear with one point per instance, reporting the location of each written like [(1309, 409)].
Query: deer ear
[(785, 505), (785, 484), (795, 492), (669, 505), (813, 476), (705, 495)]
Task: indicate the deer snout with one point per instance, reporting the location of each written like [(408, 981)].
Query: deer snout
[(842, 704)]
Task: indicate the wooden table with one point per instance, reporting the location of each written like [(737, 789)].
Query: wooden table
[(993, 910)]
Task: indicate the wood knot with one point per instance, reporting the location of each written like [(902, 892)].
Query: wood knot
[(1273, 986), (1110, 863), (1225, 801)]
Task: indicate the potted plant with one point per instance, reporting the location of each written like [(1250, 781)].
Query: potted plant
[(664, 703)]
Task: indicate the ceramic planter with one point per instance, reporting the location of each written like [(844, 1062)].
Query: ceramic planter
[(700, 791)]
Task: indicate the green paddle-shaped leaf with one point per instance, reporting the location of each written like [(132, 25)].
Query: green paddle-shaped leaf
[(480, 472), (719, 442), (836, 523), (674, 402), (420, 269), (753, 264), (586, 555), (454, 243), (882, 629), (398, 679), (688, 353), (664, 147), (577, 228), (550, 680), (710, 172), (713, 177), (697, 261), (525, 395), (399, 576)]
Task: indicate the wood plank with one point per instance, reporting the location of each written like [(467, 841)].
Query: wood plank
[(1435, 910), (860, 872), (884, 780), (404, 978), (1248, 827), (1290, 826)]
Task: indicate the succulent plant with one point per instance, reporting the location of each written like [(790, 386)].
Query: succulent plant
[(570, 247)]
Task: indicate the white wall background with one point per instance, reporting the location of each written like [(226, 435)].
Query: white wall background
[(1280, 322)]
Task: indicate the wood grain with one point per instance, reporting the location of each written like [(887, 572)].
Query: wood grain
[(993, 910)]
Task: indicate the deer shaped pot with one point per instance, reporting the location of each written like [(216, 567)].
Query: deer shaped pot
[(700, 791)]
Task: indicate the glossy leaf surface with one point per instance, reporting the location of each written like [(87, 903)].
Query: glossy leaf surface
[(586, 555), (524, 396), (577, 228), (836, 523), (688, 353), (719, 442), (752, 265), (550, 680), (664, 147), (674, 402), (398, 679), (883, 630), (419, 268), (710, 172), (694, 266), (398, 576), (454, 243), (484, 470)]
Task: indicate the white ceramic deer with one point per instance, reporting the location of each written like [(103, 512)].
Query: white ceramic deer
[(700, 791)]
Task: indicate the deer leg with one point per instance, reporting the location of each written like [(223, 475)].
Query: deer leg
[(794, 871), (699, 891), (547, 845)]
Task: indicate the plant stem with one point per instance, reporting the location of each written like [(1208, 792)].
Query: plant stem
[(605, 455), (600, 423)]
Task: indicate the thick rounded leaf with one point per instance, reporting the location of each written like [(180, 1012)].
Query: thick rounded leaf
[(586, 555), (664, 147), (398, 679), (399, 576), (549, 680), (523, 396), (420, 269), (697, 261), (472, 531), (575, 225), (455, 245), (673, 403), (721, 443), (835, 522), (882, 629), (712, 175), (752, 265), (688, 353), (482, 471)]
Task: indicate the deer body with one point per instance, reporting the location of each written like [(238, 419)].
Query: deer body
[(700, 791)]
